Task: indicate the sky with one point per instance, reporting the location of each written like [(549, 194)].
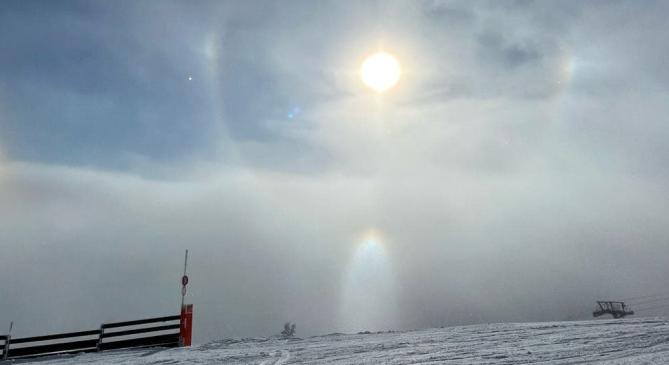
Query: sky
[(518, 171)]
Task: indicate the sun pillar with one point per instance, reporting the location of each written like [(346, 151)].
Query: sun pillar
[(368, 301)]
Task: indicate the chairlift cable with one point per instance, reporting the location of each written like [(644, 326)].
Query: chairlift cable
[(652, 307), (650, 301), (645, 296)]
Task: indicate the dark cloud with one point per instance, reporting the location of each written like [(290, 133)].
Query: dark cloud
[(107, 85), (508, 56)]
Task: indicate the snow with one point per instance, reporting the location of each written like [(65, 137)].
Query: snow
[(627, 341)]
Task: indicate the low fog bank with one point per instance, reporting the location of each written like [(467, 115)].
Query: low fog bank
[(82, 246)]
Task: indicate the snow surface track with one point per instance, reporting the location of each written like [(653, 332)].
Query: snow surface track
[(629, 341)]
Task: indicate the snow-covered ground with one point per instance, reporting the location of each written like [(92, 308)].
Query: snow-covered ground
[(629, 341)]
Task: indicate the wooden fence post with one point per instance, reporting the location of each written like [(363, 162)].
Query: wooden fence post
[(5, 350), (102, 331)]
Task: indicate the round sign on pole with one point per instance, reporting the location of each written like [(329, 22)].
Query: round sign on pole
[(184, 280)]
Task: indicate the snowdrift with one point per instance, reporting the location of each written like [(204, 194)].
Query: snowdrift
[(629, 341)]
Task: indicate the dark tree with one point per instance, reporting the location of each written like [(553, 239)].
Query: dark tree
[(288, 329)]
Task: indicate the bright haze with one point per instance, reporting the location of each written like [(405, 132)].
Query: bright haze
[(513, 166)]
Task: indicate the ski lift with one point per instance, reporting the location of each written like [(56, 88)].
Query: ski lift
[(616, 309)]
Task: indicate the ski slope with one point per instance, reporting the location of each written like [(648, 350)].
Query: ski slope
[(628, 341)]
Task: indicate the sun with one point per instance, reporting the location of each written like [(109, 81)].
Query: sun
[(380, 71)]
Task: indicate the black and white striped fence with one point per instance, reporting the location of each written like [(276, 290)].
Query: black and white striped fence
[(151, 332)]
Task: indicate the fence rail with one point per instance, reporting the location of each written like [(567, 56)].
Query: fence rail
[(171, 340), (141, 330), (58, 336), (65, 347), (105, 339), (141, 321)]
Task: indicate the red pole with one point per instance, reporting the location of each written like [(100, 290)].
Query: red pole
[(186, 325), (186, 329)]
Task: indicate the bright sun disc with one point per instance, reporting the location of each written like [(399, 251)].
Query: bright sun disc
[(380, 71)]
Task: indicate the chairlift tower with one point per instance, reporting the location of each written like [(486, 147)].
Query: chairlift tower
[(616, 309)]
